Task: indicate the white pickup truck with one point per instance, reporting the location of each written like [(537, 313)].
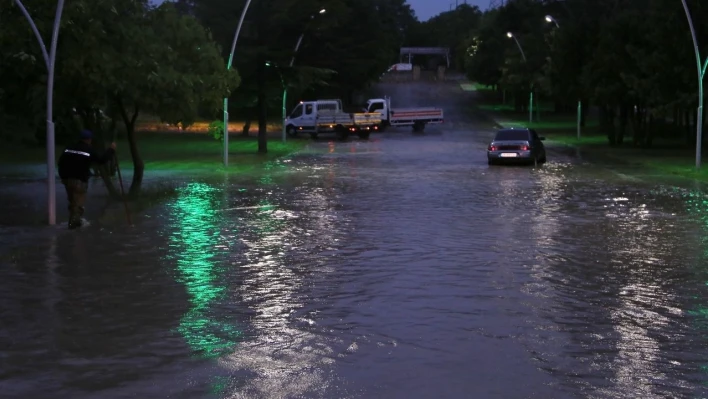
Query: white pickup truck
[(327, 116), (416, 117)]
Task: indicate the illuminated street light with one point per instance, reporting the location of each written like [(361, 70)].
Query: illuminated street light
[(523, 55), (550, 19), (511, 36), (701, 74)]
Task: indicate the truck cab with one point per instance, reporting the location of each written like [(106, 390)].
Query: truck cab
[(415, 117), (377, 105), (303, 117)]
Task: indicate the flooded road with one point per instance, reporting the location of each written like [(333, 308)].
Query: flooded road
[(399, 267)]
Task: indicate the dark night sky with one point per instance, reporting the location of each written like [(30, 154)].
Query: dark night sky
[(425, 9)]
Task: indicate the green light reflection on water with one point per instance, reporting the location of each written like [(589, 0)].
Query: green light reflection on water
[(697, 206), (195, 219)]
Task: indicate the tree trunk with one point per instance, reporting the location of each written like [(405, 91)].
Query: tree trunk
[(687, 127), (650, 128), (262, 109), (246, 127), (636, 129), (91, 120), (138, 164), (623, 119), (584, 108), (607, 121)]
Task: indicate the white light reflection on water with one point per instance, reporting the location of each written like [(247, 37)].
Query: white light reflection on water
[(545, 225), (284, 356), (642, 315)]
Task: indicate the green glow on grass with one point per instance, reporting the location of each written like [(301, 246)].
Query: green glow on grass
[(468, 87)]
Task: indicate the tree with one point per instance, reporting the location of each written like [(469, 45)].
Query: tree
[(330, 61), (452, 29), (134, 58), (23, 72)]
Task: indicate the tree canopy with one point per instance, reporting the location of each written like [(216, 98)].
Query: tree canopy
[(633, 60), (115, 59), (120, 58)]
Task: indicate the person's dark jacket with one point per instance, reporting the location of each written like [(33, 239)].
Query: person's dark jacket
[(75, 162)]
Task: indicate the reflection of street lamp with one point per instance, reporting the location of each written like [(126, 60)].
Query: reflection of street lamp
[(701, 74), (511, 36), (226, 99), (292, 62), (550, 19)]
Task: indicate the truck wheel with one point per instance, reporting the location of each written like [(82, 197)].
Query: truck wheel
[(364, 135), (418, 127), (291, 131), (383, 126)]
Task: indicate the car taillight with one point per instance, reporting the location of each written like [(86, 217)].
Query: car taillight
[(492, 148), (524, 148)]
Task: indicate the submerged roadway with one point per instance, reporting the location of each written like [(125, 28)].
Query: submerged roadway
[(399, 267)]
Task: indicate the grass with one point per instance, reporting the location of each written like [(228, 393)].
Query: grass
[(174, 151), (667, 157)]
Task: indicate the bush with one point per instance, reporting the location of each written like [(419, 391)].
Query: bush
[(216, 130)]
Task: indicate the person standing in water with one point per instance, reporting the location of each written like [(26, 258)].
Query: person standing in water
[(74, 170)]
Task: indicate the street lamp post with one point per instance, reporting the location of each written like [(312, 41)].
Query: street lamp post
[(228, 67), (285, 88), (701, 74), (523, 55), (49, 60), (550, 19), (292, 62)]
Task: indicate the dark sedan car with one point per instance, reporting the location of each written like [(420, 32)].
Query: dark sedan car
[(516, 145)]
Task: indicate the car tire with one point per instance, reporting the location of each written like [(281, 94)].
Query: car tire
[(491, 161), (291, 131), (543, 159)]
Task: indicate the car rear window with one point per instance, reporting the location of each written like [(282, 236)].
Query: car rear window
[(504, 135)]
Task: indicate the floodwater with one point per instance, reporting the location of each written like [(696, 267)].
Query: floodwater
[(399, 267)]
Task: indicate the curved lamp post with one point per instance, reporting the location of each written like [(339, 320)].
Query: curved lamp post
[(226, 99), (523, 55), (550, 19), (292, 62), (285, 90), (701, 74), (49, 60)]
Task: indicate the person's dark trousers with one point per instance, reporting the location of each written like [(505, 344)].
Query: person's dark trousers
[(76, 193)]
